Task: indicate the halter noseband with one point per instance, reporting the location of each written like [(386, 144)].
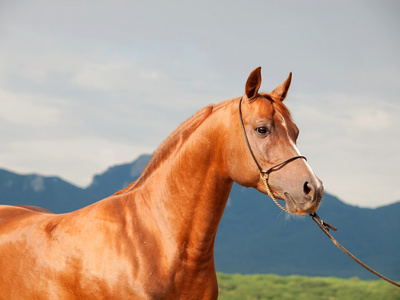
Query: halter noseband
[(264, 175)]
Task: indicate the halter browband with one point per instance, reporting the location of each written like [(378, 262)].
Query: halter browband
[(262, 171)]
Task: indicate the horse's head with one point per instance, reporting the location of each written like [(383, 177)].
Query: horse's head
[(272, 137)]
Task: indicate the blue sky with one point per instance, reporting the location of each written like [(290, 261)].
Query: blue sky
[(85, 85)]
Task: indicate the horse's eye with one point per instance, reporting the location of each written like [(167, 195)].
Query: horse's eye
[(262, 130)]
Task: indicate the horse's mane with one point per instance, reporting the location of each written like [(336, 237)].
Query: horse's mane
[(175, 140)]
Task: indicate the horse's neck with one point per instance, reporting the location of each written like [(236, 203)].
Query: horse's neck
[(185, 196)]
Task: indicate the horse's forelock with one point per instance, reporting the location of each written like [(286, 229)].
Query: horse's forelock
[(278, 105)]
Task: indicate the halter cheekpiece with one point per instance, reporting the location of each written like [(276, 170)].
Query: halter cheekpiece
[(264, 175)]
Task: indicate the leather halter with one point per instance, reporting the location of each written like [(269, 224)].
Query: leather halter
[(323, 225), (262, 171)]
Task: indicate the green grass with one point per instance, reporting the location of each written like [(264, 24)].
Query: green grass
[(249, 287)]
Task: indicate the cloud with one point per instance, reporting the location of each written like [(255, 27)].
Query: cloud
[(27, 109), (372, 120)]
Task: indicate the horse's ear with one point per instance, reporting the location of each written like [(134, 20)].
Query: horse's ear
[(253, 83), (282, 90)]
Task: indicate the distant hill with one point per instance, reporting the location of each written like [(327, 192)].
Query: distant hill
[(52, 193), (60, 196), (254, 236)]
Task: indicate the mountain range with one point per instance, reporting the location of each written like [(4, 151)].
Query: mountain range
[(254, 235)]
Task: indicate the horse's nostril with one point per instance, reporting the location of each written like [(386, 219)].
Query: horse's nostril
[(307, 188)]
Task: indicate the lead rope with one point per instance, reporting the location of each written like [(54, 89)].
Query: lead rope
[(325, 229)]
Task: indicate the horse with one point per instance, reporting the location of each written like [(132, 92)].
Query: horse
[(155, 238)]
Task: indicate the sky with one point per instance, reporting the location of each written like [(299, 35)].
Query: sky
[(85, 85)]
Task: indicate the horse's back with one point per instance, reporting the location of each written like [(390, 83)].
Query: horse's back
[(17, 215), (35, 208), (13, 214), (42, 255)]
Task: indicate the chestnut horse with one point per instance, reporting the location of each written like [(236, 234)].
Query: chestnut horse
[(155, 238)]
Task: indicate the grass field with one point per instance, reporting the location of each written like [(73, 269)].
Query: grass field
[(249, 287)]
